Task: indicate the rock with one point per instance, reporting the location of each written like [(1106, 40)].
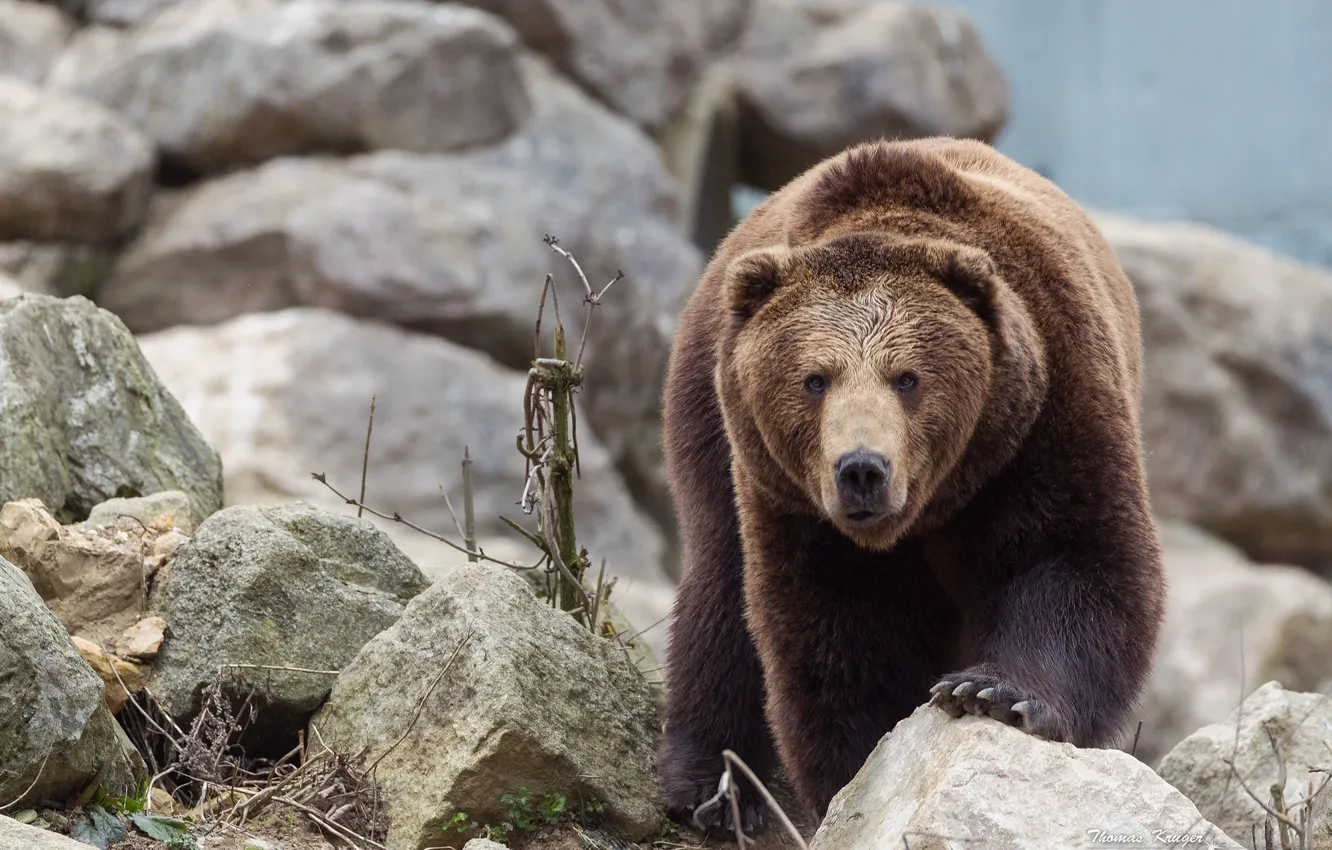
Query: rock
[(482, 844), (639, 605), (168, 545), (10, 288), (17, 835), (1237, 409), (161, 802), (978, 780), (254, 383), (1302, 726), (451, 245), (31, 36), (56, 733), (55, 268), (120, 678), (86, 419), (160, 512), (640, 58), (613, 623), (71, 170), (91, 49), (82, 578), (814, 79), (283, 586), (286, 78), (529, 699), (1228, 622), (95, 579), (141, 641)]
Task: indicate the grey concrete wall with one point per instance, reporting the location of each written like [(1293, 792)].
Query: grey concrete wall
[(1217, 111)]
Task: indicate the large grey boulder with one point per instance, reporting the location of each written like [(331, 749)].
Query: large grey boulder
[(1300, 724), (57, 736), (451, 245), (69, 169), (259, 387), (19, 835), (1229, 623), (226, 82), (936, 782), (31, 36), (83, 417), (283, 586), (489, 690), (814, 78), (639, 58), (1237, 407)]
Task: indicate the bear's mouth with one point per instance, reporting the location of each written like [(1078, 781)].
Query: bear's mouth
[(861, 517)]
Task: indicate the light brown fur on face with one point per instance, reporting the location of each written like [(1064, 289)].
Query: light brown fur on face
[(859, 315), (862, 412)]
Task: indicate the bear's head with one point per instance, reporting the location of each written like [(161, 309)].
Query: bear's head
[(876, 380)]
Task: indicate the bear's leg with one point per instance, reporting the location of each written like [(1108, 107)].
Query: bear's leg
[(850, 640), (714, 692), (1061, 648), (714, 683)]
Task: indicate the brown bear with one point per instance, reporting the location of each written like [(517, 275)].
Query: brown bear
[(902, 436)]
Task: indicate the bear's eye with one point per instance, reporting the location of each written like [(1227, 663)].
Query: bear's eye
[(816, 384), (905, 382)]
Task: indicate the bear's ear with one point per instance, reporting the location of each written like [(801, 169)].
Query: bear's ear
[(970, 274), (753, 278)]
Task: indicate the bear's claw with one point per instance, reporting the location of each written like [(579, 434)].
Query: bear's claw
[(985, 695)]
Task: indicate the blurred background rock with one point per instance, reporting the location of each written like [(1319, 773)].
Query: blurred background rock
[(296, 204)]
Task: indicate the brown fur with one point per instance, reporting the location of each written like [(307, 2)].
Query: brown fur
[(1017, 552)]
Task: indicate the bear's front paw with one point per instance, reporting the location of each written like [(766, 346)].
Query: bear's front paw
[(694, 794), (711, 810), (985, 694)]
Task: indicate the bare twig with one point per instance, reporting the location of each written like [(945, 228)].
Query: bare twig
[(365, 457), (276, 667), (728, 792), (1279, 792), (322, 820), (1279, 816), (453, 515), (733, 760), (31, 785), (590, 298), (644, 631), (597, 600), (541, 310), (420, 704), (469, 511), (398, 518)]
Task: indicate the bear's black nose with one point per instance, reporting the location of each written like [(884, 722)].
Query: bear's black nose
[(862, 480)]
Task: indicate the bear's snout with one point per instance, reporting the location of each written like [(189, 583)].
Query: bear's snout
[(862, 484)]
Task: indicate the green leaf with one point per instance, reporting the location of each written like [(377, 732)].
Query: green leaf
[(160, 827), (100, 829)]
